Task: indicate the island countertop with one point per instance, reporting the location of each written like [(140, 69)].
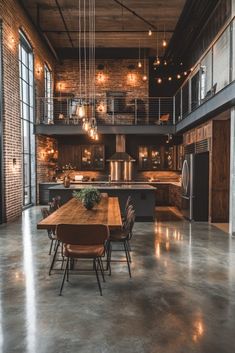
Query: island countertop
[(105, 186)]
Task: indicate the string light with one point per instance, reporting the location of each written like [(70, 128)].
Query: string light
[(159, 80), (178, 76), (150, 32), (169, 78), (165, 63), (164, 43)]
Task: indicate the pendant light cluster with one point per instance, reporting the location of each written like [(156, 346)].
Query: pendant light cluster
[(86, 62)]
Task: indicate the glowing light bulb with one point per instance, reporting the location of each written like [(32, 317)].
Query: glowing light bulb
[(144, 78), (185, 73), (139, 64), (164, 43), (80, 111), (165, 63), (178, 76), (170, 78), (150, 32), (159, 80)]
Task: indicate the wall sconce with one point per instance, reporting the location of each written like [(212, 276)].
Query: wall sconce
[(101, 76), (60, 86), (11, 42), (131, 77), (14, 164), (39, 70)]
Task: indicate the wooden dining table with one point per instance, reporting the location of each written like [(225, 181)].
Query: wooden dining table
[(73, 212)]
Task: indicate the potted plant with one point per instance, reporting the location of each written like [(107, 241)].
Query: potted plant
[(88, 196)]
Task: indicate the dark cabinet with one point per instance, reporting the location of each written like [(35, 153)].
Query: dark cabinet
[(92, 157)]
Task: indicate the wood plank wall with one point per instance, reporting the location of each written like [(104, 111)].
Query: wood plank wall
[(220, 171)]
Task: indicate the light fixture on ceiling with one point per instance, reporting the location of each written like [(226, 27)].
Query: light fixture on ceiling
[(61, 115), (87, 72), (164, 42), (139, 62), (157, 60), (145, 77)]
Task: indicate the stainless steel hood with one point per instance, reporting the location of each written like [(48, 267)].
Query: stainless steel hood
[(121, 162), (121, 157)]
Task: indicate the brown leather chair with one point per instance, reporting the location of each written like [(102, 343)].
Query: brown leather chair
[(164, 119), (83, 241), (123, 236)]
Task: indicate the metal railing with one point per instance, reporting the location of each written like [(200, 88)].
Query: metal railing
[(108, 111)]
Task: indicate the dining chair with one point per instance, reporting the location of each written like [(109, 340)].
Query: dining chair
[(83, 241), (129, 202), (51, 234), (123, 237)]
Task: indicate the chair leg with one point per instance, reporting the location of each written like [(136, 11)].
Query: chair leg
[(54, 257), (64, 275), (69, 263), (129, 250), (109, 259), (127, 259), (52, 241), (101, 268), (97, 276)]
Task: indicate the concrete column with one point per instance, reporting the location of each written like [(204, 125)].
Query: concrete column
[(232, 175)]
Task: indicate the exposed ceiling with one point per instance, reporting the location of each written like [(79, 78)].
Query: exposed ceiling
[(116, 26)]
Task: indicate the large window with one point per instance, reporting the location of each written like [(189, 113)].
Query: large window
[(206, 76), (1, 152), (221, 62), (27, 119), (48, 114)]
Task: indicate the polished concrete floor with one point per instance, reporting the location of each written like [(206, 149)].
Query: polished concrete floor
[(181, 298)]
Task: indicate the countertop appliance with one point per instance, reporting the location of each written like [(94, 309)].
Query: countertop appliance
[(195, 186)]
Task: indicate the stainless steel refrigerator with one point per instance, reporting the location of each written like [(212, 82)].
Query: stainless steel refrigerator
[(195, 186)]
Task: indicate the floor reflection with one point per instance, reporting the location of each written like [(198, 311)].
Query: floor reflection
[(29, 284)]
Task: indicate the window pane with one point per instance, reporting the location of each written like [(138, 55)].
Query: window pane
[(221, 61), (26, 136), (24, 57), (206, 76), (26, 170), (25, 96)]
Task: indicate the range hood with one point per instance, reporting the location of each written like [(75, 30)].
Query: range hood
[(121, 162), (120, 155)]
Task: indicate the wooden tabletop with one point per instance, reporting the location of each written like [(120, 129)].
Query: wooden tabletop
[(73, 212)]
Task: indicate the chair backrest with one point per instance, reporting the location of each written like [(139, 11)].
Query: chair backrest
[(55, 204), (45, 212), (82, 234), (130, 221), (128, 203)]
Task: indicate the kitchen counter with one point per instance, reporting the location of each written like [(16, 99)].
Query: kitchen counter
[(143, 196), (105, 186)]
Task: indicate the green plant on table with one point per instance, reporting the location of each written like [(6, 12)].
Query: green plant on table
[(88, 196)]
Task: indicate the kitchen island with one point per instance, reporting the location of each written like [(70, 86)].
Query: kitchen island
[(143, 196)]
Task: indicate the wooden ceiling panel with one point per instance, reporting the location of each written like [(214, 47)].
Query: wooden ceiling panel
[(116, 27)]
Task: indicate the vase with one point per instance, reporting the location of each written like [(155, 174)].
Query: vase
[(66, 181), (88, 204)]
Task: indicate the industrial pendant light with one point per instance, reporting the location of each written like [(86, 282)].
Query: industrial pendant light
[(139, 62)]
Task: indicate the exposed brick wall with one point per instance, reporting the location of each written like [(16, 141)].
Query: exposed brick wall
[(13, 18), (116, 74)]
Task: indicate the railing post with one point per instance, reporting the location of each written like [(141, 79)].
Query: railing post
[(173, 102), (136, 108), (113, 117), (159, 110)]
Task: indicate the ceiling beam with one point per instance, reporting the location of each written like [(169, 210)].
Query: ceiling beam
[(107, 31), (64, 22), (152, 26), (42, 35)]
